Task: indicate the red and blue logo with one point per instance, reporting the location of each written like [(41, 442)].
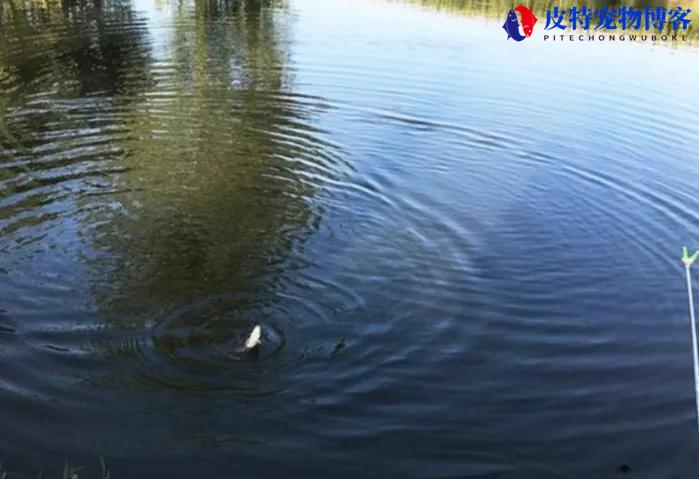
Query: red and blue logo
[(519, 28)]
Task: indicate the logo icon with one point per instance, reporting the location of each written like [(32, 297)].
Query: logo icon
[(512, 23)]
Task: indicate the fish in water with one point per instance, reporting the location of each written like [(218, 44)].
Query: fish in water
[(251, 346), (254, 339)]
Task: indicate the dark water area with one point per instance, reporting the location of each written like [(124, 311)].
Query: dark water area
[(464, 252)]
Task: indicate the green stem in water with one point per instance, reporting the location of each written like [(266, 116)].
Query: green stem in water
[(687, 259)]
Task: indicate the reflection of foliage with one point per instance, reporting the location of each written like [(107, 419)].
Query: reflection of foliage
[(82, 47), (189, 160), (213, 199), (64, 49)]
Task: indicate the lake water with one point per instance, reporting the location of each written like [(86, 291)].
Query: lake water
[(464, 250)]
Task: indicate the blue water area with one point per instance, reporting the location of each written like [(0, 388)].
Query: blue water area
[(463, 250)]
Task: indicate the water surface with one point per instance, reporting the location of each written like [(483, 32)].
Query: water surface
[(464, 250)]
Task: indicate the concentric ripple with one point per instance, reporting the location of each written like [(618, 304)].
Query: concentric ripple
[(463, 255)]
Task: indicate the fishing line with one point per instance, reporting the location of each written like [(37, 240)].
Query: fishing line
[(688, 261)]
